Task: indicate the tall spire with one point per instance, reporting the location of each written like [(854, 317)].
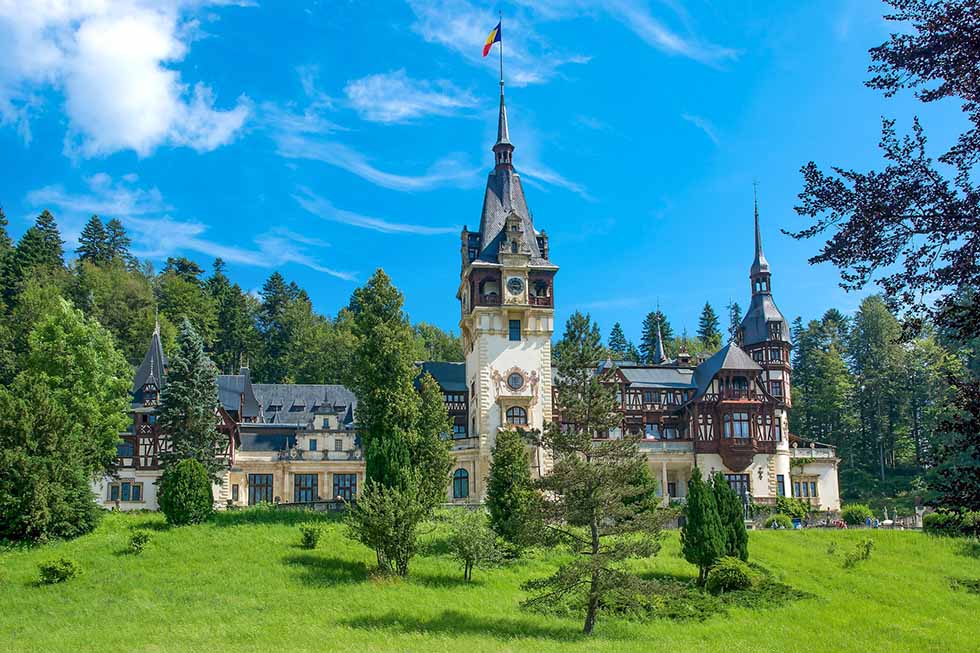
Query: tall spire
[(503, 150), (759, 265), (658, 353)]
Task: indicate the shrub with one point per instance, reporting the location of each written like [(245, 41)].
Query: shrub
[(472, 543), (780, 520), (311, 535), (729, 575), (387, 520), (138, 541), (185, 493), (795, 508), (58, 571), (855, 514), (862, 551)]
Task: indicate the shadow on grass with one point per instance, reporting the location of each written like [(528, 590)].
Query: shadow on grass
[(971, 548), (452, 622), (151, 525), (442, 580), (273, 516), (663, 576), (319, 571)]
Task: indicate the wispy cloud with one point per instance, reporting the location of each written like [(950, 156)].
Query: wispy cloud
[(323, 208), (157, 235), (534, 171), (461, 26), (704, 125), (394, 97), (591, 122), (451, 171)]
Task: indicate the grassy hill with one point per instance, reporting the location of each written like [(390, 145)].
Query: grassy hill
[(242, 583)]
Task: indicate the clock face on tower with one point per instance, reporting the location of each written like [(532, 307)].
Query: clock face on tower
[(515, 285)]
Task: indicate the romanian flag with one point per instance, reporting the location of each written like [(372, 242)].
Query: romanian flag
[(493, 38)]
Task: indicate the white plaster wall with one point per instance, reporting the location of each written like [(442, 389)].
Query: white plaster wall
[(147, 478)]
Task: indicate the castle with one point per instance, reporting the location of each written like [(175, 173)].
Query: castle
[(298, 443)]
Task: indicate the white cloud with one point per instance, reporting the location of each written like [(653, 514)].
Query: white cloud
[(704, 125), (448, 172), (157, 235), (462, 26), (323, 208), (112, 61), (394, 97)]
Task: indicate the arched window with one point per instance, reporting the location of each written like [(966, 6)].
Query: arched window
[(517, 416), (461, 484)]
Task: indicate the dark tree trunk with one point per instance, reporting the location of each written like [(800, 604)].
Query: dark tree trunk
[(594, 585)]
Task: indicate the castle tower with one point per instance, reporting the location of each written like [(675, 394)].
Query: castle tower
[(506, 296), (764, 333)]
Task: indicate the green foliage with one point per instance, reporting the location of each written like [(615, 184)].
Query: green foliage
[(952, 524), (778, 520), (387, 519), (702, 537), (732, 516), (955, 479), (236, 335), (471, 541), (434, 344), (855, 514), (648, 338), (185, 493), (93, 243), (795, 508), (181, 295), (430, 449), (617, 342), (734, 320), (708, 332), (862, 551), (138, 541), (729, 575), (58, 570), (189, 402), (600, 503), (510, 491), (311, 534)]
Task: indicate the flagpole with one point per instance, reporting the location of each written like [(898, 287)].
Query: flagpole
[(500, 15)]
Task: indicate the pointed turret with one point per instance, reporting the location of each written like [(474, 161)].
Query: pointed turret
[(152, 372), (762, 322), (659, 356), (760, 265), (503, 150)]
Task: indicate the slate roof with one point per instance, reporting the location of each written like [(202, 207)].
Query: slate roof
[(505, 195), (659, 377), (755, 324), (300, 402), (451, 376), (152, 369), (231, 387), (729, 357)]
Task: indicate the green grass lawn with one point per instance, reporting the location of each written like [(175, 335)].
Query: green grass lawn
[(242, 583)]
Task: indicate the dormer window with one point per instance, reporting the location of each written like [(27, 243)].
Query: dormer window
[(275, 408)]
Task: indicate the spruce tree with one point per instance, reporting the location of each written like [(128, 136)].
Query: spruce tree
[(734, 321), (632, 353), (93, 243), (702, 538), (189, 402), (731, 513), (6, 244), (509, 489), (708, 332), (118, 243), (648, 339), (430, 450), (601, 503), (273, 330), (41, 245), (617, 340)]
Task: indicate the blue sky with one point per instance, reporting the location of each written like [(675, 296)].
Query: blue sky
[(326, 139)]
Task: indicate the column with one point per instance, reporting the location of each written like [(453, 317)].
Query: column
[(663, 485)]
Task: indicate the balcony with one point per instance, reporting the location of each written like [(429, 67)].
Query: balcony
[(738, 394), (666, 446), (489, 300), (817, 453), (545, 302)]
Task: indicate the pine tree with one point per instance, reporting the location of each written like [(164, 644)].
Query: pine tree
[(93, 243), (702, 538), (734, 321), (235, 334), (632, 353), (273, 330), (6, 244), (617, 340), (118, 243), (603, 503), (955, 479), (648, 339), (189, 402), (509, 489), (731, 514), (708, 332)]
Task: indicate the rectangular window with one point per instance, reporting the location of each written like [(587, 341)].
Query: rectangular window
[(459, 431), (312, 444), (125, 449), (739, 483), (137, 492), (670, 433), (671, 489), (114, 492), (304, 488), (259, 488), (736, 425), (515, 330), (813, 489), (780, 485), (648, 396), (797, 492), (345, 486), (776, 388), (779, 429), (776, 354), (338, 445), (234, 492), (126, 492), (651, 430)]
